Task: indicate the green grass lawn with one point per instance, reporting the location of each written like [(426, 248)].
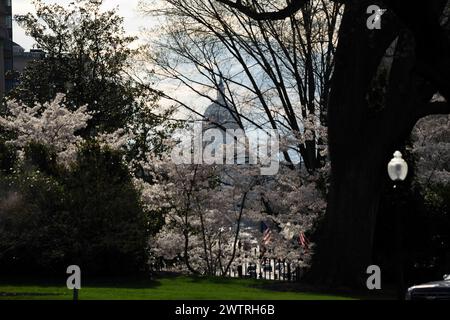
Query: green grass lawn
[(166, 288)]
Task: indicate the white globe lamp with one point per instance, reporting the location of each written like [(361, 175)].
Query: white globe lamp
[(397, 168)]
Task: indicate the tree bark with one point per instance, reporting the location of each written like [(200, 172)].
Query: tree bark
[(344, 250), (359, 142), (363, 135), (238, 229)]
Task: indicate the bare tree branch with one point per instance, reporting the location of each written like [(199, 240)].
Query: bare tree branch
[(291, 8)]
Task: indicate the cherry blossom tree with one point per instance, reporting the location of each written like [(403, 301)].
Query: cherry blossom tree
[(80, 189), (51, 124), (199, 210), (212, 210), (431, 146), (275, 76)]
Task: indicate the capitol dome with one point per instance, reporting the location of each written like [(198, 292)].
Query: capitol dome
[(219, 114)]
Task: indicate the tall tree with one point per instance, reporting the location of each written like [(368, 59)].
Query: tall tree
[(276, 74), (87, 55), (363, 134)]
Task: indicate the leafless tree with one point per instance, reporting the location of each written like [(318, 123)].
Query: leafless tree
[(276, 73)]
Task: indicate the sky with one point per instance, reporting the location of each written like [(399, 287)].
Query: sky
[(134, 21)]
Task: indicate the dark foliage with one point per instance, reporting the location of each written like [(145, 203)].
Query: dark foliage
[(89, 215)]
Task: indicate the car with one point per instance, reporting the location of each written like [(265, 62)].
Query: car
[(437, 290)]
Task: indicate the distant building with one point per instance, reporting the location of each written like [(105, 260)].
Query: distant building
[(6, 47), (13, 58), (22, 57), (220, 115)]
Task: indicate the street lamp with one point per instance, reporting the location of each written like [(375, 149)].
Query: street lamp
[(398, 170)]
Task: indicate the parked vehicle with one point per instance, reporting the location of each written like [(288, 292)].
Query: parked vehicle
[(437, 290)]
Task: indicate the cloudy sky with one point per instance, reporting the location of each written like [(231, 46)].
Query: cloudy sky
[(134, 22)]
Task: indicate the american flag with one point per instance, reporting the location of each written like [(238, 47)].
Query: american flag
[(267, 233), (303, 241)]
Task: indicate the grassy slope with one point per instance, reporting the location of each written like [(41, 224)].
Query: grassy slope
[(173, 288)]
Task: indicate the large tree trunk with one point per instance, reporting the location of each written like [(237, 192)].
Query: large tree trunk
[(362, 137), (344, 250), (345, 239)]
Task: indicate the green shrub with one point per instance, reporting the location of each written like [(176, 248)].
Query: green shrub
[(89, 215), (7, 158)]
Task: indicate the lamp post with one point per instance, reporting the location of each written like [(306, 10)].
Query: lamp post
[(398, 170)]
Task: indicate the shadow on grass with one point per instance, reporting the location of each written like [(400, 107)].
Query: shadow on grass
[(224, 280), (137, 282), (279, 286), (171, 283), (215, 280), (32, 281), (123, 283), (291, 287), (28, 294)]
